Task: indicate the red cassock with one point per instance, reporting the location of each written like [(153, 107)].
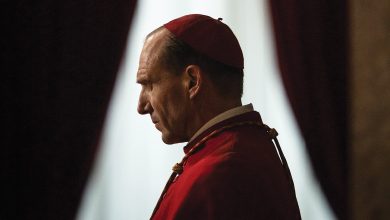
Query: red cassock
[(235, 174)]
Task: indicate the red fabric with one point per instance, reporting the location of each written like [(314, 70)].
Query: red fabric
[(311, 42), (209, 37), (236, 175)]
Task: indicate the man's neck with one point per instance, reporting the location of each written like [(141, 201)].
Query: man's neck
[(222, 117), (205, 112)]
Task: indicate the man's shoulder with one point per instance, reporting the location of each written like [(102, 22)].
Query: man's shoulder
[(245, 148), (246, 138)]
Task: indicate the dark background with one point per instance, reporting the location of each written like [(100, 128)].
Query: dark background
[(59, 61)]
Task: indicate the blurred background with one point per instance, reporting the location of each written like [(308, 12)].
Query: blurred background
[(76, 148), (134, 164)]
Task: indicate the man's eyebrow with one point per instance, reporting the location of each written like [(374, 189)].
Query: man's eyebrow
[(143, 80)]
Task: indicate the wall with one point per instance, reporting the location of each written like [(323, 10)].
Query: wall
[(370, 108)]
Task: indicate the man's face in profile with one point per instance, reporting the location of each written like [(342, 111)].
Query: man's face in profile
[(163, 93)]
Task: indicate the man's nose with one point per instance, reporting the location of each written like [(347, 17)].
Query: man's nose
[(143, 106)]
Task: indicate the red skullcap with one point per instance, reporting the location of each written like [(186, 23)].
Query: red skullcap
[(209, 37)]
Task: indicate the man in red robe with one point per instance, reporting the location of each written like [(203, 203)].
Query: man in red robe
[(191, 73)]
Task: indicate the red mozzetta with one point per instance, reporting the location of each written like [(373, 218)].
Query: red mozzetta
[(235, 174)]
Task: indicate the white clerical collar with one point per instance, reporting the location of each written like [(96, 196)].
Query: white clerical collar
[(223, 116)]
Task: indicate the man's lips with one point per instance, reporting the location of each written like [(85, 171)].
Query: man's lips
[(156, 124)]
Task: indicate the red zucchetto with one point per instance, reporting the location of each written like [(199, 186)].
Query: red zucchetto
[(208, 36)]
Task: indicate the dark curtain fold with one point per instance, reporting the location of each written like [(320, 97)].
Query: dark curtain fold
[(60, 63), (311, 43)]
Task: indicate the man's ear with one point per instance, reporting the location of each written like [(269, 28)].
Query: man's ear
[(194, 76)]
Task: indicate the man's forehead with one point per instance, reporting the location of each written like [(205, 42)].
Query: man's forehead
[(146, 65), (149, 58), (150, 53), (154, 41), (148, 73)]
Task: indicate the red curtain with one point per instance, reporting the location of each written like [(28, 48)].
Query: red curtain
[(60, 63), (311, 42)]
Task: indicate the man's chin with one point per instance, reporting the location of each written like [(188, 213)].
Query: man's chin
[(172, 140)]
